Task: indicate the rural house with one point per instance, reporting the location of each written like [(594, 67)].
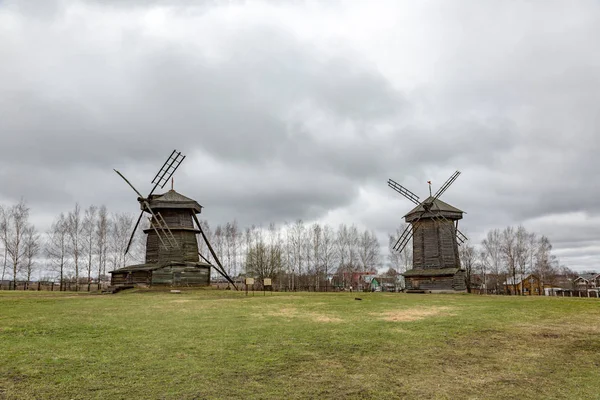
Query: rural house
[(522, 284)]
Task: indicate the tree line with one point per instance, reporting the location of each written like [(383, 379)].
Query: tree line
[(511, 252), (83, 244), (298, 254)]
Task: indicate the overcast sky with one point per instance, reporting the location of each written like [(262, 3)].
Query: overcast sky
[(304, 109)]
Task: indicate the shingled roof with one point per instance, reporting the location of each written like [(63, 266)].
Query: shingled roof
[(172, 199), (438, 206)]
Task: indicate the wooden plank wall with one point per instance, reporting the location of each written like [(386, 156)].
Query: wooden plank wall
[(156, 252), (434, 245), (182, 276)]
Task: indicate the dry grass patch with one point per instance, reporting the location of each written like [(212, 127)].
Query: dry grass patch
[(415, 314), (293, 313), (180, 301)]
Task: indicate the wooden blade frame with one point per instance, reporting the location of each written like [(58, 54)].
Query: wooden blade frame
[(158, 219), (403, 191), (167, 170), (446, 185), (403, 239)]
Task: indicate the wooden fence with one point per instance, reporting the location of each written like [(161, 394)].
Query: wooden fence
[(54, 286)]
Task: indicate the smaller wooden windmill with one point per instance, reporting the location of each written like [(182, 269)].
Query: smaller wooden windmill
[(433, 226), (172, 256)]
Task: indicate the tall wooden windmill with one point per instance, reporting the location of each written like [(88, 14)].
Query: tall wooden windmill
[(172, 256), (433, 226)]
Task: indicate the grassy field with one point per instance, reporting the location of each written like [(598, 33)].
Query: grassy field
[(217, 344)]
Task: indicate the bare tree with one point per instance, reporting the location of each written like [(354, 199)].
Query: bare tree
[(119, 232), (88, 231), (101, 237), (468, 259), (317, 252), (491, 257), (522, 251), (296, 248), (231, 246), (219, 245), (368, 251), (329, 252), (353, 246), (3, 239), (508, 247), (307, 252), (546, 265), (31, 249), (74, 224), (342, 242), (57, 247), (15, 227), (264, 260)]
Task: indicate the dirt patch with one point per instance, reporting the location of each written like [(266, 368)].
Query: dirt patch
[(415, 314), (293, 313), (181, 301), (324, 318)]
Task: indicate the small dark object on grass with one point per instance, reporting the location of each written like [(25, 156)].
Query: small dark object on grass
[(357, 298)]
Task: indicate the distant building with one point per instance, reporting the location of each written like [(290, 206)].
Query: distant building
[(524, 284)]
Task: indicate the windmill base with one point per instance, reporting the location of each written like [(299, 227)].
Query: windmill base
[(435, 280), (165, 274)]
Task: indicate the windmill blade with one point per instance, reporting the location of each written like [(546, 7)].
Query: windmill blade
[(403, 239), (404, 191), (461, 236), (212, 252), (400, 245), (167, 170), (141, 214), (446, 185), (133, 232), (129, 183)]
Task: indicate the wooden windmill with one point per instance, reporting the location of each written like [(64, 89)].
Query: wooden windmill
[(433, 226), (172, 256)]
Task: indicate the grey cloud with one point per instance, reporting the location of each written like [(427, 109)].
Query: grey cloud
[(289, 129)]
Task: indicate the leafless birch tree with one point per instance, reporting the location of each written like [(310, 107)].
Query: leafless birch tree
[(57, 247), (15, 228), (32, 245)]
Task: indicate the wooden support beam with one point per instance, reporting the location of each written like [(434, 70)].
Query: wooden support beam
[(212, 252)]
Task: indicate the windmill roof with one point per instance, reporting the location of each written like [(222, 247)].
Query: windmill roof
[(173, 199), (438, 206)]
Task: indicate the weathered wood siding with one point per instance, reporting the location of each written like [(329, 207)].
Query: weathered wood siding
[(177, 218), (434, 244), (181, 224), (130, 277), (182, 276), (454, 282), (118, 278), (156, 251)]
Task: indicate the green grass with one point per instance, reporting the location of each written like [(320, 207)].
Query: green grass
[(218, 344)]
